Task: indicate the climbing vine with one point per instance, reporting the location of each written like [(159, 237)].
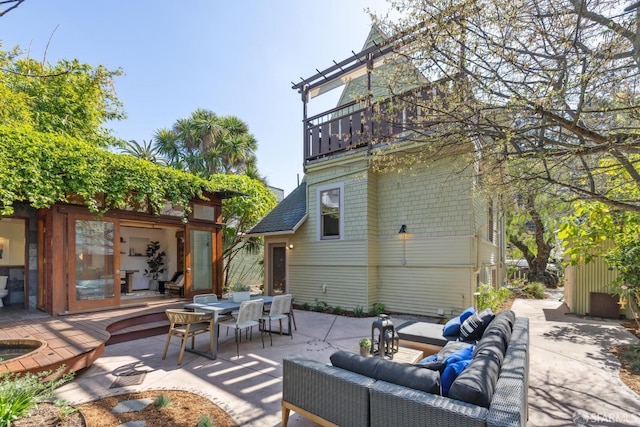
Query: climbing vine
[(44, 169)]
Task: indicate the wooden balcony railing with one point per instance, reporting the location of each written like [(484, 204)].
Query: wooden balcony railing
[(356, 125)]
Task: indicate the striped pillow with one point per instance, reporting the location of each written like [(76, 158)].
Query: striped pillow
[(473, 328)]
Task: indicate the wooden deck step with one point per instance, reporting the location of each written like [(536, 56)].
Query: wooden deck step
[(137, 327), (143, 330)]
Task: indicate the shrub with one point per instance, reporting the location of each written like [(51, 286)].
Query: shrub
[(338, 310), (492, 298), (377, 309), (305, 306), (320, 306), (358, 311), (18, 393), (535, 290), (161, 401), (64, 408), (240, 287), (205, 421)]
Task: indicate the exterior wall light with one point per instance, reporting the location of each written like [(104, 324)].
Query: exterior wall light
[(403, 229), (290, 245)]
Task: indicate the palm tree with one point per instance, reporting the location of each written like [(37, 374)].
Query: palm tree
[(145, 151), (206, 144)]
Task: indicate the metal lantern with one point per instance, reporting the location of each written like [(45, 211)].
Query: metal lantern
[(385, 343)]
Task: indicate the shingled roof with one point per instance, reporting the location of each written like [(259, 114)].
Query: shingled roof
[(286, 217)]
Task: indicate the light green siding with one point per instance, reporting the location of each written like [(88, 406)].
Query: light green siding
[(425, 291), (431, 270), (432, 200)]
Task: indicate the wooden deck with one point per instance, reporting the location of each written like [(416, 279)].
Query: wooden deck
[(77, 340)]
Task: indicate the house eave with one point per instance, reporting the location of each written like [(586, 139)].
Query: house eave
[(280, 232)]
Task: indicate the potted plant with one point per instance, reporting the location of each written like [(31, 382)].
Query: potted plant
[(241, 292), (155, 263), (365, 346)]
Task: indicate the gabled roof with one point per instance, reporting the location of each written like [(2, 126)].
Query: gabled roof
[(286, 217)]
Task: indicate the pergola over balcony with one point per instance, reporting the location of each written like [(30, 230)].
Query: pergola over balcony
[(362, 122)]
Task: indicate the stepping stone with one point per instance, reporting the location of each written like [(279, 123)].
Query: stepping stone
[(134, 405), (133, 424)]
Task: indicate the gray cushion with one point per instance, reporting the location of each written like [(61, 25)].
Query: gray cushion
[(508, 315), (477, 382), (500, 326), (491, 345), (451, 348), (423, 332), (381, 369)]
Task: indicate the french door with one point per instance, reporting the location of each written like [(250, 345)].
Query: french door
[(200, 260), (93, 274)]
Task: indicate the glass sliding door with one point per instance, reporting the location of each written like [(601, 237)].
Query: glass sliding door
[(202, 252), (92, 272)]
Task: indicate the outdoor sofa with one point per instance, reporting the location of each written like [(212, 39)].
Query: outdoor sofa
[(372, 391)]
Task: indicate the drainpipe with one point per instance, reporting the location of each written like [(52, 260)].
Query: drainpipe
[(478, 265), (478, 238)]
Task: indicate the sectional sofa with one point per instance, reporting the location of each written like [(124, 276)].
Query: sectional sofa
[(360, 391)]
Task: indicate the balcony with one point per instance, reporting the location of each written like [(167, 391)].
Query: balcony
[(357, 125)]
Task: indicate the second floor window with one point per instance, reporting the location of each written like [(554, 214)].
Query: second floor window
[(330, 213)]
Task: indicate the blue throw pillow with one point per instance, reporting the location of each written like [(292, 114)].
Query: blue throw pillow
[(455, 364), (462, 354), (452, 327), (450, 373)]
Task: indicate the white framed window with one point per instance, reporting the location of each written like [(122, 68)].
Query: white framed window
[(330, 212)]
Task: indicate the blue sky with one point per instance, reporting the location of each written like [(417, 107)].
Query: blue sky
[(234, 57)]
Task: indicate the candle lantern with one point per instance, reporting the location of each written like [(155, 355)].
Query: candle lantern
[(384, 340)]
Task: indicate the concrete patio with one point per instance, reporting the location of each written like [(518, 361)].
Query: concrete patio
[(573, 378)]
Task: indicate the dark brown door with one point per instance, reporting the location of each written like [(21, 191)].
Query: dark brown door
[(278, 269)]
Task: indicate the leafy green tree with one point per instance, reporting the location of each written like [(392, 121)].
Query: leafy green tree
[(239, 214), (221, 147), (69, 98), (206, 144), (532, 221), (52, 140), (549, 84)]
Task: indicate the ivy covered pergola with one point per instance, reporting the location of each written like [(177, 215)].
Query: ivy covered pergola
[(45, 169), (82, 199)]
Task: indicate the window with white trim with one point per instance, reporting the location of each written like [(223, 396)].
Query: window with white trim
[(330, 212)]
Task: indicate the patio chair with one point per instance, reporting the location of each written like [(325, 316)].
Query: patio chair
[(161, 283), (280, 309), (187, 324), (248, 316), (175, 286), (207, 298)]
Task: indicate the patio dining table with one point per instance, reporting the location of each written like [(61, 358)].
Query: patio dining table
[(216, 309)]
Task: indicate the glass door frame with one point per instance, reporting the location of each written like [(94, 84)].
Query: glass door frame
[(216, 282), (43, 274), (114, 301)]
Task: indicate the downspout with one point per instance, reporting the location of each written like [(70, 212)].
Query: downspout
[(478, 264)]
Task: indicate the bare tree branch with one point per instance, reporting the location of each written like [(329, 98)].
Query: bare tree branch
[(14, 4)]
